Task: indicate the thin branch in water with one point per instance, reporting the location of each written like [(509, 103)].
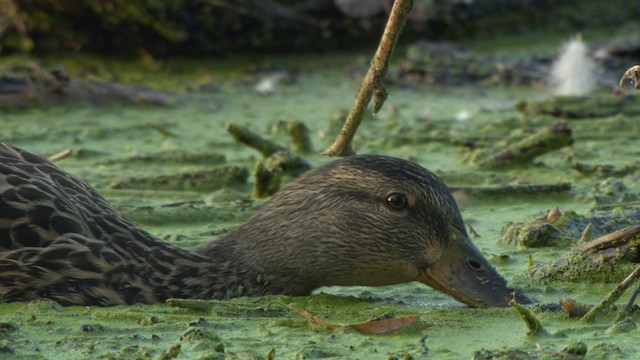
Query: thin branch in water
[(614, 295), (61, 155), (372, 82), (243, 135)]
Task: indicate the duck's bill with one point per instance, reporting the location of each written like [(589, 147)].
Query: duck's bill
[(465, 274)]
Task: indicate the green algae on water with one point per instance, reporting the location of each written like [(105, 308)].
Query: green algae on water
[(428, 132), (202, 180)]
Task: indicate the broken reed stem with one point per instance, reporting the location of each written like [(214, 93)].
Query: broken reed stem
[(61, 155), (554, 137), (534, 326), (614, 295), (243, 135), (372, 82), (586, 234)]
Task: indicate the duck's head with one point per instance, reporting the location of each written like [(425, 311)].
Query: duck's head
[(371, 220)]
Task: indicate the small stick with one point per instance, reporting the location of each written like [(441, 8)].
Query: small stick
[(610, 240), (554, 137), (61, 155), (372, 82), (614, 295), (299, 134), (251, 139), (586, 234)]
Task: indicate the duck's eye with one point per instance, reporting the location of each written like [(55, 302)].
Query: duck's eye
[(397, 201), (476, 266)]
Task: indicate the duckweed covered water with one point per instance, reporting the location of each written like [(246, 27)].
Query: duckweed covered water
[(427, 124)]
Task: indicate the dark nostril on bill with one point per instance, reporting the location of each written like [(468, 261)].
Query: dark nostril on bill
[(475, 265)]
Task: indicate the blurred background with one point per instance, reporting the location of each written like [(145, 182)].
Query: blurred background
[(166, 28)]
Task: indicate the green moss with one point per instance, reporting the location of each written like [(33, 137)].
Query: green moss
[(193, 334), (299, 133), (623, 326), (202, 180), (176, 156), (532, 235), (580, 268)]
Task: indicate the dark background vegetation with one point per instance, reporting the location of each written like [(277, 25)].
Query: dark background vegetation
[(164, 28)]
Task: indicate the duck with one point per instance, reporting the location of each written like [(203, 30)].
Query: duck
[(366, 220)]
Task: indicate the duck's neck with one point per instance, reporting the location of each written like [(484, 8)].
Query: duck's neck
[(137, 267), (268, 254), (236, 268)]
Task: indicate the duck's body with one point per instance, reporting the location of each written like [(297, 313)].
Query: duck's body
[(366, 220)]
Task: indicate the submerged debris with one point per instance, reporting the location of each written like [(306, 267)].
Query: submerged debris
[(614, 295), (519, 354), (174, 156), (533, 235), (571, 307), (56, 87), (447, 63), (277, 161), (575, 107), (609, 258), (625, 325), (554, 137), (269, 172), (575, 350), (299, 133), (203, 180), (604, 171), (511, 189), (374, 326), (563, 228), (245, 136), (612, 191)]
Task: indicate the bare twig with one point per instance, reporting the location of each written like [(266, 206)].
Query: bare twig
[(586, 234), (372, 82), (554, 137), (61, 155), (614, 295), (243, 135)]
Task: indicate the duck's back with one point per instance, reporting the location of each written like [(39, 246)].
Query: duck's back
[(60, 239), (39, 203)]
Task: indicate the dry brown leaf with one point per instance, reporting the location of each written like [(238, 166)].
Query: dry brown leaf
[(383, 326)]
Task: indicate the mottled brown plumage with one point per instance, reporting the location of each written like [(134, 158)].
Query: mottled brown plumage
[(364, 220)]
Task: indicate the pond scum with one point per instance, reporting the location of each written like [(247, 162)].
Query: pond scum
[(179, 173)]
